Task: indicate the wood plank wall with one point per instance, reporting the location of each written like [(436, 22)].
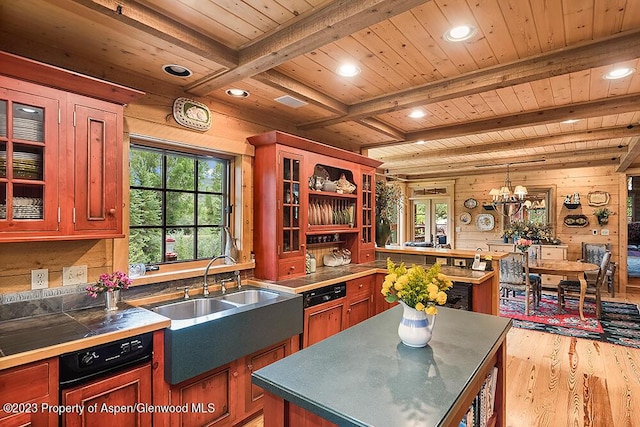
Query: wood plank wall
[(581, 180)]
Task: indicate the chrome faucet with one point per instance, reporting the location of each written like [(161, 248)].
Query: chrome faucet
[(205, 285)]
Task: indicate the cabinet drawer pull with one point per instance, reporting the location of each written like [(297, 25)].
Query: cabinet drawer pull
[(360, 285)]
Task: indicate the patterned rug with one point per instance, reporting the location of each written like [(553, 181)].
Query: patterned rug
[(620, 323)]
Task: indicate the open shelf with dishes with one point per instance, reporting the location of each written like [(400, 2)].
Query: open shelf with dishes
[(328, 205)]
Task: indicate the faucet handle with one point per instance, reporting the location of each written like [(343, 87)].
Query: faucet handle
[(186, 291)]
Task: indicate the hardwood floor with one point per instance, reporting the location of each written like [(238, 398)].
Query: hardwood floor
[(555, 381)]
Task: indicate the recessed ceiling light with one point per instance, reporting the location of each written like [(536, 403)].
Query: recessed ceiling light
[(349, 70), (568, 122), (177, 70), (619, 73), (421, 142), (417, 114), (460, 33), (237, 93)]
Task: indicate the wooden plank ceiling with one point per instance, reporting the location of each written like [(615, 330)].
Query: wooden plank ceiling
[(499, 97)]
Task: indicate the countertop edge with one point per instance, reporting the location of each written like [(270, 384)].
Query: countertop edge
[(283, 287), (463, 253), (36, 355)]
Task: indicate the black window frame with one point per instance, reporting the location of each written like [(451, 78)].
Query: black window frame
[(164, 227)]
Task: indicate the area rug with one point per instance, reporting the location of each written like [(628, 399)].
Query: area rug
[(620, 323)]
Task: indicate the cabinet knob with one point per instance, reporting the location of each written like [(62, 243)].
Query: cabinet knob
[(235, 373), (293, 267), (112, 212), (360, 285)]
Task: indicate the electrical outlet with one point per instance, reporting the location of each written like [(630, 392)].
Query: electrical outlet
[(459, 263), (74, 275), (594, 231), (40, 278), (604, 231)]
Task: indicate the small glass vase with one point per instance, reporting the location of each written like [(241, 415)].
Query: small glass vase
[(111, 300), (416, 327)]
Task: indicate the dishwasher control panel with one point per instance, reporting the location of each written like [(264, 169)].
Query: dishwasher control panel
[(88, 363)]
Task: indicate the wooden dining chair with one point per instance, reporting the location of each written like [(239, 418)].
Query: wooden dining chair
[(593, 253), (593, 285), (514, 276)]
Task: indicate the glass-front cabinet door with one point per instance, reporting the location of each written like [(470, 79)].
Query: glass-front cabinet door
[(28, 162), (368, 200), (290, 243)]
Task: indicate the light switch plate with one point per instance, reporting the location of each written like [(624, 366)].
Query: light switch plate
[(74, 275)]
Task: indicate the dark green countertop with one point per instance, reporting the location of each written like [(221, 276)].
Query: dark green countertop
[(364, 376), (27, 340)]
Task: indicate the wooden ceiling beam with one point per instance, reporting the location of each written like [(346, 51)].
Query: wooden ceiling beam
[(383, 128), (145, 19), (286, 84), (570, 156), (333, 22), (520, 144), (618, 48), (584, 110), (630, 157), (534, 168)]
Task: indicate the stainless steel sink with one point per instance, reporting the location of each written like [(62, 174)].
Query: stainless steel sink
[(208, 332), (192, 308), (250, 296)]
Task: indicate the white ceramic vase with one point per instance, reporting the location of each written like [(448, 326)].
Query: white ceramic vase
[(415, 327), (111, 300)]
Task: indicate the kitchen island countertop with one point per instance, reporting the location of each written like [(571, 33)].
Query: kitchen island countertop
[(367, 377)]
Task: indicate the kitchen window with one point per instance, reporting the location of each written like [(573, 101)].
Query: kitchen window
[(178, 207)]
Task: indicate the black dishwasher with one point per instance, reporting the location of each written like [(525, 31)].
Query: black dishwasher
[(81, 366), (324, 294)]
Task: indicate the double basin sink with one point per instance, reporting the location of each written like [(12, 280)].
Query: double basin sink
[(208, 332), (200, 307)]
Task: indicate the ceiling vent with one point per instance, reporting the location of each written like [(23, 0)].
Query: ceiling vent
[(290, 101)]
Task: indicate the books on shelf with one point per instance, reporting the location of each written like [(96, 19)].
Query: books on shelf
[(482, 407)]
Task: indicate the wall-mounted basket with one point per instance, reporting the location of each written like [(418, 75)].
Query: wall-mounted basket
[(576, 221)]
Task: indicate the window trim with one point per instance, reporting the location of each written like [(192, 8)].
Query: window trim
[(169, 148)]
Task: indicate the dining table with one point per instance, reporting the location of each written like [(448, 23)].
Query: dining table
[(570, 269)]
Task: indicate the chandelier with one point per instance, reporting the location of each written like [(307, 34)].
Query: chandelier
[(507, 196)]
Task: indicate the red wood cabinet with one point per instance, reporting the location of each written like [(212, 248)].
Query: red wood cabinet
[(359, 304), (323, 320), (28, 387), (293, 214), (60, 154), (123, 390), (209, 398), (250, 396), (98, 166)]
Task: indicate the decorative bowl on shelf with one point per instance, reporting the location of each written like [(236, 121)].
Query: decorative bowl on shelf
[(572, 205)]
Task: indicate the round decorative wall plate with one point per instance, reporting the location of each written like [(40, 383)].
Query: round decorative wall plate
[(470, 203), (192, 114), (465, 218), (485, 222)]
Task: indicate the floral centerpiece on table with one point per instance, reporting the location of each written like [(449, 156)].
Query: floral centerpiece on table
[(109, 283), (523, 245), (416, 287)]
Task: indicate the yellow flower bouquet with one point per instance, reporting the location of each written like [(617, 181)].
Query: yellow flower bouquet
[(416, 287)]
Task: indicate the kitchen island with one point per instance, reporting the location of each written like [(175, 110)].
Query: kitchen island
[(364, 376)]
